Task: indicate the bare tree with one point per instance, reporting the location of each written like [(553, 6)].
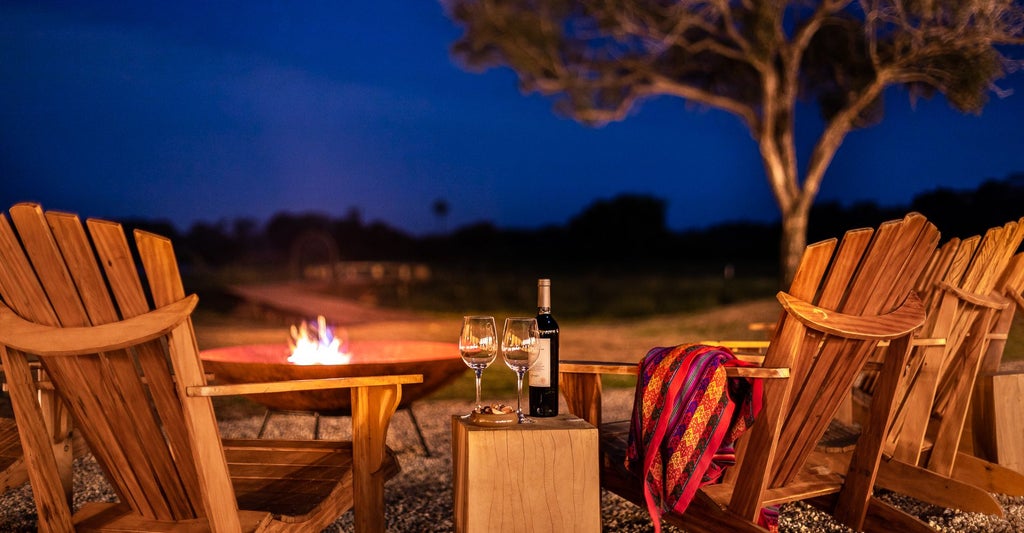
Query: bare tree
[(753, 58)]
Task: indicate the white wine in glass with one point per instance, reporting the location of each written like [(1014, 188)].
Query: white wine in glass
[(478, 345), (520, 346)]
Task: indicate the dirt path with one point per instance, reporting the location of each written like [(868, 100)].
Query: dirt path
[(303, 300)]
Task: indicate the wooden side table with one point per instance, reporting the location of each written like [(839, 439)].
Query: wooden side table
[(998, 432), (526, 477)]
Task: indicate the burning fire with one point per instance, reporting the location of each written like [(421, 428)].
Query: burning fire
[(315, 344)]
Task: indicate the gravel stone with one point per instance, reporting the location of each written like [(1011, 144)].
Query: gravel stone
[(419, 499)]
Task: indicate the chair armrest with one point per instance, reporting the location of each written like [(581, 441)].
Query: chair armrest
[(630, 369), (903, 320), (301, 385), (734, 345), (993, 301), (573, 366), (580, 382), (1017, 298), (763, 345), (45, 341)]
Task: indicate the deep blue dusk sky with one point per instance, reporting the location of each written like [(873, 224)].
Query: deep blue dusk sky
[(206, 111)]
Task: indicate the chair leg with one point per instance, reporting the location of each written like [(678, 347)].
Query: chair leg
[(704, 515), (882, 517), (47, 487), (935, 489), (58, 422), (419, 432), (372, 408), (263, 426), (987, 475)]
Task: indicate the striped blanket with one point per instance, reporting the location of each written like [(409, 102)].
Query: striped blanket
[(686, 418)]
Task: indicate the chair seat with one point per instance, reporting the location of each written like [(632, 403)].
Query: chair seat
[(613, 438), (97, 516), (819, 476), (292, 479), (705, 514), (839, 437)]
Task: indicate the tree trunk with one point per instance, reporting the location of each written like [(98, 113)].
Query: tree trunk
[(793, 241)]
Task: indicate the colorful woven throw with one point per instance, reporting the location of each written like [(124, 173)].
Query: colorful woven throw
[(686, 418)]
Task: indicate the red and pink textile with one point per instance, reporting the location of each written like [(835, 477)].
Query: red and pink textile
[(686, 419)]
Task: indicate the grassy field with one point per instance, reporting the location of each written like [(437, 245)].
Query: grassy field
[(593, 338), (581, 338), (218, 323)]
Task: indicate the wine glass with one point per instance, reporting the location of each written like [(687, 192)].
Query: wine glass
[(520, 346), (478, 346)]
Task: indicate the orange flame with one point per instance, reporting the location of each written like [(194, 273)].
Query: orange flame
[(315, 344)]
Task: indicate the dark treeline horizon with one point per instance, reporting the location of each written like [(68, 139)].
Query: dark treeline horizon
[(628, 231)]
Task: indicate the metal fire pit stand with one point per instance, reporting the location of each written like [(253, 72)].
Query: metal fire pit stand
[(316, 423)]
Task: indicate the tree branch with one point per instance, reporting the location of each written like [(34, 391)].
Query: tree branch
[(661, 84), (729, 26), (835, 131)]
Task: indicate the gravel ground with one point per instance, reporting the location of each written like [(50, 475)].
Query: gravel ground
[(420, 498)]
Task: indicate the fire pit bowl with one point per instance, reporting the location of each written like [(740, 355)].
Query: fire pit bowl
[(439, 363)]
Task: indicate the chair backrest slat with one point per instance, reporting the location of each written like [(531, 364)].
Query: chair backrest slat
[(161, 267), (22, 290), (1011, 284), (814, 264), (138, 433), (115, 255), (119, 266), (48, 265)]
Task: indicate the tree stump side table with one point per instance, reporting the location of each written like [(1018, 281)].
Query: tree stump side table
[(526, 477)]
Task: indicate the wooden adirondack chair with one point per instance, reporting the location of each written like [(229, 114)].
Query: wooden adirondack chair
[(921, 451), (998, 434), (132, 378), (963, 299), (844, 299)]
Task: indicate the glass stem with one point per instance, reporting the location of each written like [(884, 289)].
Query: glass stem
[(519, 395), (479, 375)]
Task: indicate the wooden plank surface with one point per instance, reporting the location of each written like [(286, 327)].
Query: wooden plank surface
[(1007, 420), (529, 477), (302, 384)]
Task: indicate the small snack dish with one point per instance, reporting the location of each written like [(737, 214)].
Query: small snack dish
[(494, 415)]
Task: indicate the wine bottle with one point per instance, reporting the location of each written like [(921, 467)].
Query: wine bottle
[(544, 373)]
